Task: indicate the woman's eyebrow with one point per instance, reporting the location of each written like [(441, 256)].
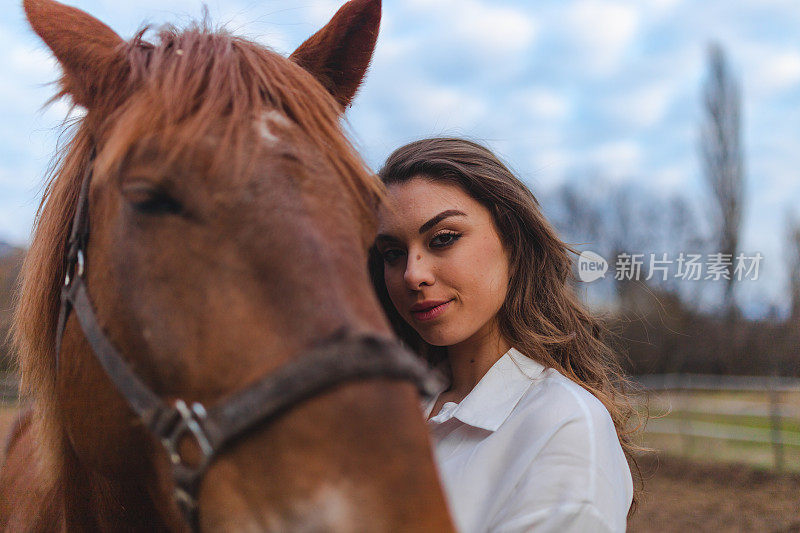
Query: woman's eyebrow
[(438, 218), (426, 226)]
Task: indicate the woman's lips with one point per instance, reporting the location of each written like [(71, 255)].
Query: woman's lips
[(431, 313)]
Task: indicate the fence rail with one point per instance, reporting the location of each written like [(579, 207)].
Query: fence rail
[(684, 395), (765, 402)]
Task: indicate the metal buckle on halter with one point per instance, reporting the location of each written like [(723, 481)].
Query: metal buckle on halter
[(187, 422)]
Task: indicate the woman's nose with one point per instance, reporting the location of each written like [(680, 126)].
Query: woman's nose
[(418, 271)]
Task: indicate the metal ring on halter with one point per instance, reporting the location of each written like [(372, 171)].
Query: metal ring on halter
[(79, 269)]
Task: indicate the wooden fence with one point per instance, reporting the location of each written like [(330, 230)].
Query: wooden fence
[(693, 408), (716, 407)]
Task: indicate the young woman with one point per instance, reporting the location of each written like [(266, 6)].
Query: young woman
[(531, 432)]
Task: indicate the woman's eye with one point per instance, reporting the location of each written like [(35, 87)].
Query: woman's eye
[(444, 239), (389, 256)]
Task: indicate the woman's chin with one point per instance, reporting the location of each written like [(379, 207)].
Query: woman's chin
[(437, 342), (439, 338)]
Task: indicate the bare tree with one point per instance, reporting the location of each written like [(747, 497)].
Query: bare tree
[(793, 264), (723, 160), (614, 218), (579, 219)]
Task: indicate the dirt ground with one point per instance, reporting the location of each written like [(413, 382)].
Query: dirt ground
[(683, 496)]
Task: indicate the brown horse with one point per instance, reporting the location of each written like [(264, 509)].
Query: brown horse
[(229, 221)]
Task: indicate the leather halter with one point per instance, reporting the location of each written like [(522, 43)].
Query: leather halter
[(337, 360)]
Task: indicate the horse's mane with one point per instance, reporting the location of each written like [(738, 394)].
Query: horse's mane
[(182, 85)]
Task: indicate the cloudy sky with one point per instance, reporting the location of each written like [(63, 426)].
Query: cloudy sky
[(559, 88)]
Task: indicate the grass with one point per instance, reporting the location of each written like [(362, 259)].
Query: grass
[(749, 421)]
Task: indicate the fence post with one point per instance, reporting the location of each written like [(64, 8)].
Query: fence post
[(775, 423), (685, 424)]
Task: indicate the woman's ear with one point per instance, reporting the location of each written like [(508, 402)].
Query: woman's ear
[(339, 54), (91, 55)]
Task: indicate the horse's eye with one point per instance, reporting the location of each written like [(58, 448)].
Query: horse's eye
[(148, 199)]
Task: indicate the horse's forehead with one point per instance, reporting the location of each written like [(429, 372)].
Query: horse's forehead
[(271, 126)]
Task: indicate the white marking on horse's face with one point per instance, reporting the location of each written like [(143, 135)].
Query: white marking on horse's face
[(269, 123), (329, 508)]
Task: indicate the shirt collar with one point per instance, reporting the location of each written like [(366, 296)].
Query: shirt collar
[(491, 401)]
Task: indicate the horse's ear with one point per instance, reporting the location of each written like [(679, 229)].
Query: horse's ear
[(338, 55), (90, 53)]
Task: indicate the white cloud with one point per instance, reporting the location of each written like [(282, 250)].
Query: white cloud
[(36, 62), (642, 107), (480, 25), (499, 29), (789, 5), (28, 69), (5, 178), (617, 159), (60, 110), (672, 178), (391, 48), (321, 11), (602, 31), (251, 24), (552, 162), (777, 71), (437, 107), (543, 103), (662, 6)]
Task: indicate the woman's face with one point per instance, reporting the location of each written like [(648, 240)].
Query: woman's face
[(445, 268)]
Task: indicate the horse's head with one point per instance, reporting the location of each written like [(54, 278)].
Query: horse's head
[(229, 224)]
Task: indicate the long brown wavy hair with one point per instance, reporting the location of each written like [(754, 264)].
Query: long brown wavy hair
[(541, 315)]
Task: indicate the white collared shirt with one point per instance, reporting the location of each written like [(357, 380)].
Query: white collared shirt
[(528, 449)]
